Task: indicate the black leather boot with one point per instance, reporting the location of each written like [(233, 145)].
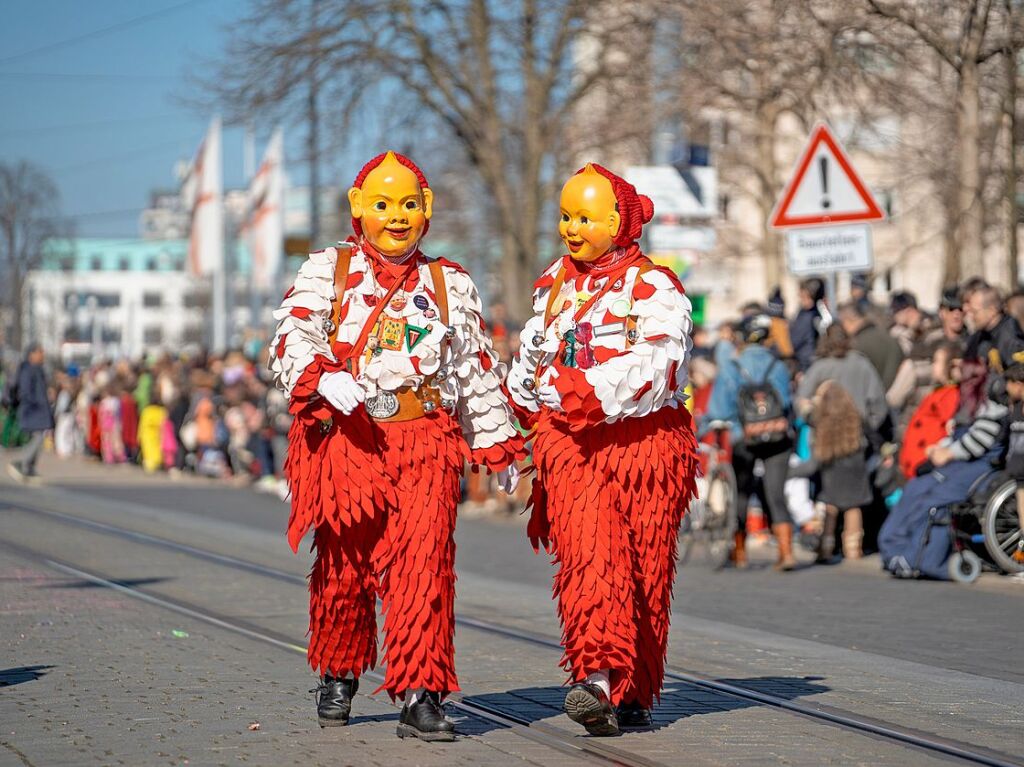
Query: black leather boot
[(425, 720), (588, 705), (334, 700), (633, 716)]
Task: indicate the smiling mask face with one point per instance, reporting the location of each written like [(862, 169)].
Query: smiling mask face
[(392, 207), (589, 221)]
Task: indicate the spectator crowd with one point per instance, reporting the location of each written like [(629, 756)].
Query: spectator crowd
[(843, 425), (849, 426), (215, 416)]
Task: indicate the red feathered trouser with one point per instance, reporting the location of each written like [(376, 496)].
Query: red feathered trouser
[(610, 498), (383, 498)]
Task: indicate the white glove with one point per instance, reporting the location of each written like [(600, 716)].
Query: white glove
[(508, 479), (341, 390), (548, 396)]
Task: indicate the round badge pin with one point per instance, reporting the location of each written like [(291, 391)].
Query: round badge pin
[(420, 302), (620, 308)]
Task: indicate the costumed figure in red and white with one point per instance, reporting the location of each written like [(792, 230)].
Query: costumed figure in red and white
[(393, 384), (600, 375)]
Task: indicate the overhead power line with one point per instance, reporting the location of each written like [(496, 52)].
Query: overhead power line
[(60, 128), (83, 76), (118, 158), (126, 24), (105, 213)]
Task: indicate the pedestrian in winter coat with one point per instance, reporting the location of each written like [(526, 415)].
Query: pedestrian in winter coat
[(838, 456), (837, 361), (34, 413), (809, 322), (872, 341), (756, 364)]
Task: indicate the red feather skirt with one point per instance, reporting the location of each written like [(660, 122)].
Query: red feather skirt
[(382, 499), (607, 502)]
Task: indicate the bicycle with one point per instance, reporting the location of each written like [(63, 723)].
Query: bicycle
[(712, 518)]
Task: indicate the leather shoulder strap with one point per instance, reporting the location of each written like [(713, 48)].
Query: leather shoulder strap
[(556, 290), (440, 290), (340, 283)]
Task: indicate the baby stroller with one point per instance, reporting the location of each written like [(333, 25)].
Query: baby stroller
[(985, 529)]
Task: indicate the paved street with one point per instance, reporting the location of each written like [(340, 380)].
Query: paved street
[(124, 651)]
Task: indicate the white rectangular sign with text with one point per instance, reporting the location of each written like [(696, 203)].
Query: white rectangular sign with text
[(830, 249)]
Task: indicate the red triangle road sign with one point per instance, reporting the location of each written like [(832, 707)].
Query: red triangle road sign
[(824, 188)]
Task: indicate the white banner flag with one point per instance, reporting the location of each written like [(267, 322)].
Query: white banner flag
[(202, 193), (264, 225)]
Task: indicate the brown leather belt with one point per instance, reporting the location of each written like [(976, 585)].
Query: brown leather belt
[(411, 403)]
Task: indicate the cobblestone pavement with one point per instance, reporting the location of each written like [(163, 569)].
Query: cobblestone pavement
[(92, 676)]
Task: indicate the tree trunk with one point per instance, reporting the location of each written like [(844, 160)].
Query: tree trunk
[(516, 279), (969, 205), (16, 339), (771, 245), (1010, 121)]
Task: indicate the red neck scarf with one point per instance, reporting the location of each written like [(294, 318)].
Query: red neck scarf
[(387, 270), (612, 261)]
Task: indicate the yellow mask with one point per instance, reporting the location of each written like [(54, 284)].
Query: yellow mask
[(589, 220), (392, 207)]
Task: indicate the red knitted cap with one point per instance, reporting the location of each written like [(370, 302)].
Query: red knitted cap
[(635, 209), (403, 160)]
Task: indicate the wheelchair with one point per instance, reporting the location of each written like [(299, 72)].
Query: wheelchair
[(985, 529)]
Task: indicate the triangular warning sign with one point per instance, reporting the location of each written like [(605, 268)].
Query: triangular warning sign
[(413, 335), (824, 188)]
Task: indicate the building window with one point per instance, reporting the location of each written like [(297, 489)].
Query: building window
[(124, 264), (153, 335), (67, 264), (108, 300), (151, 264), (152, 300), (193, 334), (111, 335), (96, 263), (197, 300)]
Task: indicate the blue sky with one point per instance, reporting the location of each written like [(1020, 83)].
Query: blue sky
[(98, 110)]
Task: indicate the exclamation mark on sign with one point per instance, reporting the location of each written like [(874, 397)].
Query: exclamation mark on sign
[(823, 168)]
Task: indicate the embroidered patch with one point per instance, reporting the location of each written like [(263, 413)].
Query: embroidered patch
[(392, 333)]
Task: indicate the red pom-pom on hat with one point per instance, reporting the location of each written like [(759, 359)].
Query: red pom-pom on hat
[(635, 209), (402, 160)]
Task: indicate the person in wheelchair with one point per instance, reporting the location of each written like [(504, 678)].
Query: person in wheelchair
[(1014, 378), (949, 476)]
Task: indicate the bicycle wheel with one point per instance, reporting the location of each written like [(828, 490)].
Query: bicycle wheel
[(685, 546), (721, 514), (1001, 528)]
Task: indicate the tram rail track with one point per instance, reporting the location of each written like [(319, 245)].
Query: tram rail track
[(537, 731)]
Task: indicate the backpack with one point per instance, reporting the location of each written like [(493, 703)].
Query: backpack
[(762, 414)]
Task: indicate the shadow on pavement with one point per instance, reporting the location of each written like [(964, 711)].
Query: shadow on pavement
[(679, 700), (373, 718), (20, 674), (84, 584)]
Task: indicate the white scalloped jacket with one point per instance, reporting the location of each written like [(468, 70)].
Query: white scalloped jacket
[(484, 414), (629, 382)]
